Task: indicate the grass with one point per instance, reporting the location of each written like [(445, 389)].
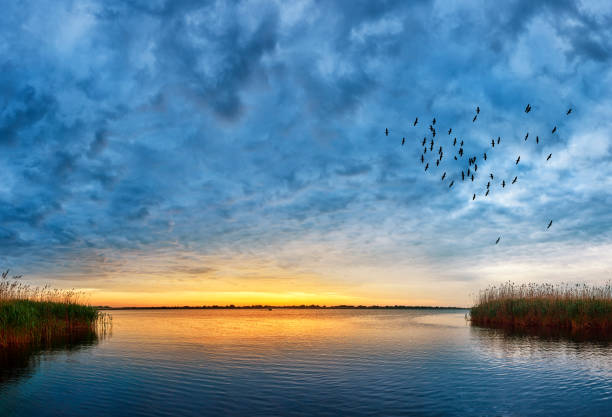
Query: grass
[(563, 306), (35, 316)]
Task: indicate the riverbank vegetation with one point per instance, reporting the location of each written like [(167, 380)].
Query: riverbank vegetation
[(35, 316), (577, 307)]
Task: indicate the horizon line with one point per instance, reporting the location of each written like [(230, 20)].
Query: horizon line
[(300, 306)]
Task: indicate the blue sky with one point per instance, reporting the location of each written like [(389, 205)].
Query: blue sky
[(236, 150)]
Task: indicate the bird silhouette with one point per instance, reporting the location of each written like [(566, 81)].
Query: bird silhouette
[(498, 139), (497, 241), (569, 111), (537, 139), (549, 224), (416, 121), (485, 156), (492, 143), (455, 157), (528, 108), (451, 184), (461, 144), (403, 141), (433, 121), (477, 110), (468, 172), (549, 155), (443, 175), (431, 147), (455, 142), (472, 177), (422, 159), (450, 130), (431, 128), (424, 140), (474, 197), (526, 136), (475, 167), (487, 193), (462, 176), (438, 163), (492, 176), (488, 184), (503, 184), (386, 132), (426, 166), (425, 149), (554, 129), (514, 180), (460, 151), (434, 133), (440, 150), (474, 119), (517, 160)]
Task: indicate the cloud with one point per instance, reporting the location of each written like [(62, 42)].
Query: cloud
[(250, 127)]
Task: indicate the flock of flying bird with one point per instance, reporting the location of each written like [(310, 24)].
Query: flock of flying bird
[(470, 171)]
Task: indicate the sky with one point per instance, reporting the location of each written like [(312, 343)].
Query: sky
[(191, 152)]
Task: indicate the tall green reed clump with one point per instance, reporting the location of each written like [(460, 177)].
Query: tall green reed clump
[(35, 315), (567, 306)]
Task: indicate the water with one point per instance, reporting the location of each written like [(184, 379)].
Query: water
[(308, 362)]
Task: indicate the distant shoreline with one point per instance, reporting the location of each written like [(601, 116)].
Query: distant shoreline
[(298, 307)]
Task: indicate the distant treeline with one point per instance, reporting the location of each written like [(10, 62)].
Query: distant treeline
[(302, 306)]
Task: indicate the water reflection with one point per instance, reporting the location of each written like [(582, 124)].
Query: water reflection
[(23, 361)]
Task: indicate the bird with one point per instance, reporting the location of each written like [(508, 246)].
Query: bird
[(462, 176), (477, 110), (431, 147), (431, 129), (472, 177), (549, 155), (433, 121), (440, 150), (422, 159), (569, 110), (517, 160), (434, 133), (514, 180), (497, 241), (424, 140), (461, 143), (488, 184), (485, 156), (474, 197), (426, 166), (441, 155), (468, 172), (487, 193), (438, 163), (492, 143), (528, 108), (537, 139), (425, 149), (491, 175), (474, 119), (503, 183), (475, 167), (554, 129), (451, 184), (443, 175), (450, 130), (526, 136), (386, 131), (455, 142), (498, 139), (455, 157), (416, 121), (549, 224), (460, 151)]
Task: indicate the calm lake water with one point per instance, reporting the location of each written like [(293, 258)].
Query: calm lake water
[(308, 362)]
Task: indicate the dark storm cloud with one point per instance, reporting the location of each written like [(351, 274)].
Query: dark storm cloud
[(241, 126)]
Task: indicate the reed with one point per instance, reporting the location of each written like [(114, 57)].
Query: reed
[(576, 307), (36, 315)]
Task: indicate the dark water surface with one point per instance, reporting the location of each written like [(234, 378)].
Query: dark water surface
[(308, 362)]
